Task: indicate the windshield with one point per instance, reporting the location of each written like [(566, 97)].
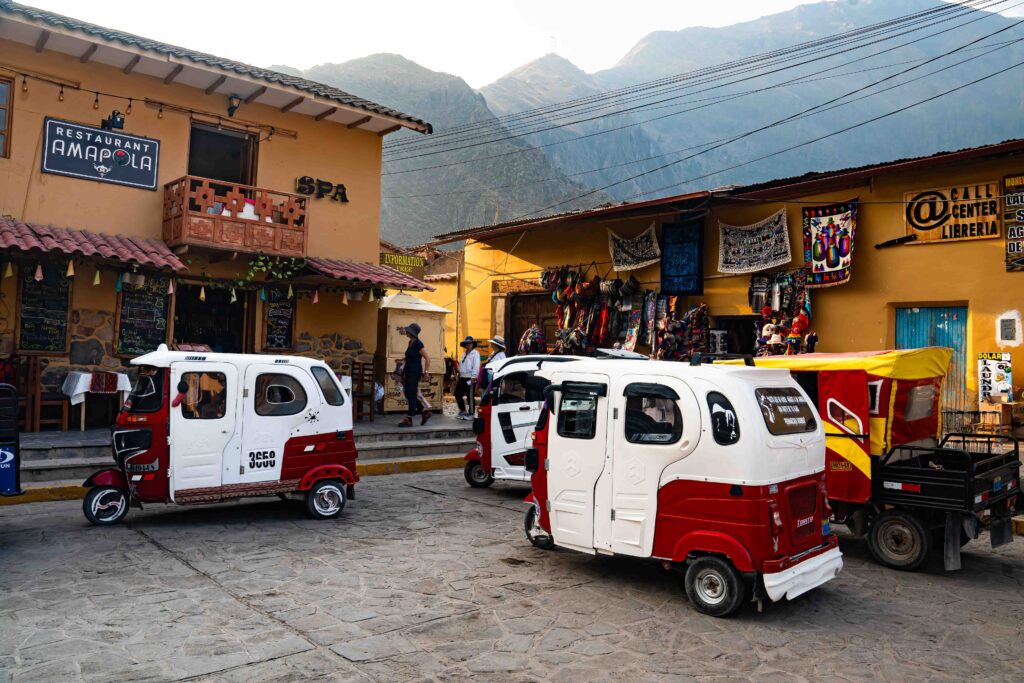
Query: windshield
[(785, 411), (148, 393)]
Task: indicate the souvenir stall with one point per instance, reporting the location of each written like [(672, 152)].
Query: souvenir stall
[(396, 312), (781, 297)]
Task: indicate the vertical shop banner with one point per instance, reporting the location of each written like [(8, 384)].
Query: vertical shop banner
[(1013, 220), (952, 214), (829, 232), (995, 375), (682, 258)]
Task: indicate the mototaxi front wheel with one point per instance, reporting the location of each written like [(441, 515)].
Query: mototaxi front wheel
[(105, 505), (476, 475), (535, 533)]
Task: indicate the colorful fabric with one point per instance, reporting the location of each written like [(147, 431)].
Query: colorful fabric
[(682, 257), (103, 382), (633, 253), (829, 232), (750, 248)]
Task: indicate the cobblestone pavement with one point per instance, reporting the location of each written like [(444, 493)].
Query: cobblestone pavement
[(426, 579)]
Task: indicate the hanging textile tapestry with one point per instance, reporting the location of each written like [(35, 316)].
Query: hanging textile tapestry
[(750, 248), (829, 232), (636, 252), (682, 257)]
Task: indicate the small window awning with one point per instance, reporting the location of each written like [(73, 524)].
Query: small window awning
[(28, 237), (366, 274)]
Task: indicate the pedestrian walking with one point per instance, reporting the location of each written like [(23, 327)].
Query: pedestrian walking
[(469, 370), (417, 363)]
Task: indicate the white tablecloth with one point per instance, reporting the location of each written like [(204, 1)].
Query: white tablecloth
[(77, 383)]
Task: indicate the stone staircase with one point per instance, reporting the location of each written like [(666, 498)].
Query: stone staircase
[(65, 456)]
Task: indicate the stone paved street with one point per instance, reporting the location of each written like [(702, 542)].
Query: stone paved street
[(424, 578)]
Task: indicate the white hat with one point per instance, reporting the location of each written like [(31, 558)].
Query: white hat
[(498, 340)]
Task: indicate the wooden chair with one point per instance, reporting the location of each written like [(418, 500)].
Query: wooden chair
[(38, 401), (363, 390)]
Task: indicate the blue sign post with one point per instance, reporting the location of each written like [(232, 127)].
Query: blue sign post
[(10, 459)]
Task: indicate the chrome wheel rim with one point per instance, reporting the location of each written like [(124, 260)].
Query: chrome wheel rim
[(898, 540), (328, 500), (108, 505), (710, 586)]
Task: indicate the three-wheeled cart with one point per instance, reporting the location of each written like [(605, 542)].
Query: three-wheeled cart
[(890, 473)]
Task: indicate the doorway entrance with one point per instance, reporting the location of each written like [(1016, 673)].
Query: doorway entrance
[(740, 332), (224, 326), (222, 154), (921, 326), (531, 309)]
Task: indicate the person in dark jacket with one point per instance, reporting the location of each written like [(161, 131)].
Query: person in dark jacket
[(417, 364)]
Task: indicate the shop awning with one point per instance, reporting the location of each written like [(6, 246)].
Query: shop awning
[(32, 236), (366, 274), (909, 364)]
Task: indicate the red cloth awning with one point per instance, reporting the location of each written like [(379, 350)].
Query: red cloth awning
[(28, 236), (365, 273)]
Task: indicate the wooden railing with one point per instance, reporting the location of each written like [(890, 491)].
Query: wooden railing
[(211, 213)]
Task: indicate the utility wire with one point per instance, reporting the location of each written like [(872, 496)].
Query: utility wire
[(663, 116), (986, 51), (830, 41), (510, 133)]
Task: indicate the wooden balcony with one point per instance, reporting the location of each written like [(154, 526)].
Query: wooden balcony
[(210, 213)]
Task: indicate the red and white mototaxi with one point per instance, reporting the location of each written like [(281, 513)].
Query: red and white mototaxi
[(214, 427), (715, 470), (508, 413)]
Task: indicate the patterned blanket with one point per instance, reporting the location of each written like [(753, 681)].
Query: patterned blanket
[(829, 232), (750, 248), (636, 252)]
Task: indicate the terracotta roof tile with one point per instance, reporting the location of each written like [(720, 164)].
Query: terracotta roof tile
[(367, 273), (28, 236)]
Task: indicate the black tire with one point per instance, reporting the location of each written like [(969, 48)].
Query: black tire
[(535, 533), (105, 505), (326, 499), (476, 476), (899, 540), (714, 586)]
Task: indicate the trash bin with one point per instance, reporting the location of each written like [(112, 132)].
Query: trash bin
[(10, 456)]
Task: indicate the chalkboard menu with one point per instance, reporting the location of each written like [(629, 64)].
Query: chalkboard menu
[(43, 311), (279, 316), (142, 317)]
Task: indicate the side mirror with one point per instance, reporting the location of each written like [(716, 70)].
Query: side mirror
[(182, 390)]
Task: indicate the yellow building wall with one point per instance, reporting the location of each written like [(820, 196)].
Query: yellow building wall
[(446, 295), (580, 243), (321, 149)]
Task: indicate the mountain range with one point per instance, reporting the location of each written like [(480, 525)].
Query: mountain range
[(549, 170)]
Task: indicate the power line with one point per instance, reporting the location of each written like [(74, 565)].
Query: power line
[(987, 50), (637, 123), (831, 51), (950, 8)]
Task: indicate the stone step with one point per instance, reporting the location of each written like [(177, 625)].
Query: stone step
[(415, 434), (47, 455), (42, 469)]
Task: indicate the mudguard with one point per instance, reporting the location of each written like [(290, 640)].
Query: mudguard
[(326, 472), (108, 477), (530, 498), (717, 543), (474, 454)]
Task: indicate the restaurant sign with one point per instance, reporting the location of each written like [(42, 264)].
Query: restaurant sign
[(1013, 220), (951, 214), (410, 264), (79, 151)]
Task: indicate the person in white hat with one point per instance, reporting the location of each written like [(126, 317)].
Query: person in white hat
[(497, 342), (469, 371)]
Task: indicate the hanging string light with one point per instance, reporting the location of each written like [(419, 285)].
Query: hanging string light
[(129, 109), (96, 102), (160, 113), (60, 96), (24, 83)]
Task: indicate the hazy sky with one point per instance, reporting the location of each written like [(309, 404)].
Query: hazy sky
[(479, 40)]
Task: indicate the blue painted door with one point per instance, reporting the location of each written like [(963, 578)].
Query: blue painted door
[(939, 326)]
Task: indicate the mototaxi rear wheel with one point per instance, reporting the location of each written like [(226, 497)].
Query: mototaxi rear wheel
[(105, 505), (899, 540), (714, 586), (535, 533)]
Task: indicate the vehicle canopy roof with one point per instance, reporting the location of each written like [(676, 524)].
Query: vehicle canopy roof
[(660, 368), (534, 361), (163, 357), (908, 364)]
